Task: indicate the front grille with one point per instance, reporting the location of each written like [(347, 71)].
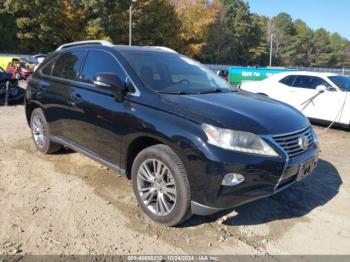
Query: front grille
[(291, 142)]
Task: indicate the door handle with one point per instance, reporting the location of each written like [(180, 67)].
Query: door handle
[(75, 99)]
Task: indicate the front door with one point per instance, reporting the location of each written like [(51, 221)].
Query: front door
[(316, 104), (101, 125)]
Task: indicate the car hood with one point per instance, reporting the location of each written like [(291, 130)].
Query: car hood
[(238, 111)]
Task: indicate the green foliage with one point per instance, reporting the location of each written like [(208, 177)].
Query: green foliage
[(216, 31), (8, 32)]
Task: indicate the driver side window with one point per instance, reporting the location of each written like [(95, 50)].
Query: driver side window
[(100, 62)]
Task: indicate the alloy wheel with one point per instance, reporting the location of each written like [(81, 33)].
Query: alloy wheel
[(39, 131), (156, 187)]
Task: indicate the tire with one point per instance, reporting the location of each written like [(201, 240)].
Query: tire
[(41, 133), (172, 186)]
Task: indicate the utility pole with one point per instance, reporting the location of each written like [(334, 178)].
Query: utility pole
[(130, 25), (130, 21), (271, 47)]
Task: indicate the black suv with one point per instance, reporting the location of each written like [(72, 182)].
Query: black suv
[(190, 142)]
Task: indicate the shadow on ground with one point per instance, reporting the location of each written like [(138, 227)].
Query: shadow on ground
[(297, 201)]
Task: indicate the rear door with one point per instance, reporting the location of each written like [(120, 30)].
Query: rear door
[(281, 90), (99, 116), (57, 82)]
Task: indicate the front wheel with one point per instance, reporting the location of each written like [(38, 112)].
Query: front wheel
[(161, 185)]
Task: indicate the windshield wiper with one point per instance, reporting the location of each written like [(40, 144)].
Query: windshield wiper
[(216, 90), (173, 92)]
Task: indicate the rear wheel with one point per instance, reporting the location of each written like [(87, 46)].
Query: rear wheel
[(41, 134), (161, 186)]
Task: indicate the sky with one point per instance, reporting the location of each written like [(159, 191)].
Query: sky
[(333, 15)]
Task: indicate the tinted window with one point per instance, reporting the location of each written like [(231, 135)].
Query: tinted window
[(309, 82), (100, 62), (342, 82), (47, 69), (173, 73), (317, 81), (67, 66), (288, 80)]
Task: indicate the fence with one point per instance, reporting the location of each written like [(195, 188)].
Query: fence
[(339, 71)]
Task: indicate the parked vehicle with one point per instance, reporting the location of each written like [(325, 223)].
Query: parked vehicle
[(223, 74), (238, 75), (6, 59), (322, 97), (190, 142), (39, 58), (19, 70), (10, 92)]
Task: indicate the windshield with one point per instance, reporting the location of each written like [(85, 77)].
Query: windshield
[(174, 73), (342, 82)]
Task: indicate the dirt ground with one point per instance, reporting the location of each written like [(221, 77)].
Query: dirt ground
[(68, 204)]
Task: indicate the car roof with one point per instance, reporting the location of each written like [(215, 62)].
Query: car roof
[(162, 49), (307, 73), (144, 48)]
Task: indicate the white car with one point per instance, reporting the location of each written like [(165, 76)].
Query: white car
[(321, 97)]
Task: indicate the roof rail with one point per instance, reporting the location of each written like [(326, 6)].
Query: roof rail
[(163, 48), (87, 42)]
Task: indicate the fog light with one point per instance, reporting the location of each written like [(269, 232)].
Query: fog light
[(232, 179)]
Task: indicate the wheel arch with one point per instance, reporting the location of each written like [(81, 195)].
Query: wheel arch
[(29, 108), (136, 146), (180, 144)]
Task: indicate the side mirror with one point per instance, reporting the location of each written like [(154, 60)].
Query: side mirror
[(321, 88), (111, 82)]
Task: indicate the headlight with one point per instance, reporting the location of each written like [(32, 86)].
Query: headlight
[(237, 141), (314, 136)]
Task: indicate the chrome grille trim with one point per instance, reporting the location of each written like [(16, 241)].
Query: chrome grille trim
[(289, 142)]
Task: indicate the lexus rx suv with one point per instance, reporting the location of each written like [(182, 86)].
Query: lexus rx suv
[(190, 142)]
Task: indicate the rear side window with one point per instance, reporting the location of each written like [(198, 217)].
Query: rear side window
[(303, 82), (47, 69), (288, 80), (68, 65), (100, 62)]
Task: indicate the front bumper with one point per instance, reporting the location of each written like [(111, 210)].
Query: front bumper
[(264, 176)]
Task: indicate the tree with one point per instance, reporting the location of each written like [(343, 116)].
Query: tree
[(341, 50), (281, 28), (213, 31), (300, 50), (43, 25), (236, 36), (106, 19), (155, 23), (259, 50), (323, 55), (8, 32), (218, 39), (195, 17)]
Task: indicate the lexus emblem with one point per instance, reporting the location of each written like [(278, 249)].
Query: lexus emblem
[(303, 142)]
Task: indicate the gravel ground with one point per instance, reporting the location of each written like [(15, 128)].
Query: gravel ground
[(68, 204)]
